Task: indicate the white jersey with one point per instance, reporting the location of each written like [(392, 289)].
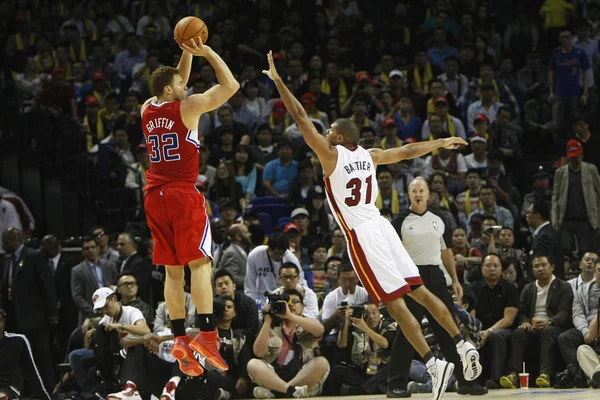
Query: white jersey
[(352, 188)]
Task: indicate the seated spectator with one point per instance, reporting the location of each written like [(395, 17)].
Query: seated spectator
[(468, 200), (465, 256), (456, 83), (229, 211), (507, 135), (420, 75), (245, 171), (292, 232), (127, 289), (532, 76), (338, 244), (225, 118), (281, 172), (322, 222), (212, 209), (306, 181), (487, 106), (156, 17), (18, 365), (512, 273), (142, 73), (284, 350), (331, 267), (359, 113), (226, 190), (301, 217), (246, 311), (497, 307), (450, 164), (545, 238), (255, 104), (226, 146), (440, 49), (289, 279), (309, 101), (434, 204), (451, 124), (161, 318), (264, 261), (366, 345), (587, 266), (314, 273), (264, 150), (585, 309), (486, 243), (235, 258), (387, 198), (544, 313), (541, 190), (207, 172), (279, 120), (506, 242), (409, 124), (478, 158), (588, 358), (489, 207), (368, 137), (390, 134), (136, 173), (497, 177)]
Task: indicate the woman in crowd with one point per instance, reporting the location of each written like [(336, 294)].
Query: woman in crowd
[(513, 273), (245, 172), (226, 189), (315, 274), (465, 256)]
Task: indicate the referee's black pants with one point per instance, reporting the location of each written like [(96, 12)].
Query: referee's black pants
[(403, 353)]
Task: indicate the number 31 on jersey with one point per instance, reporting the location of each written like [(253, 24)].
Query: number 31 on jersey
[(355, 186)]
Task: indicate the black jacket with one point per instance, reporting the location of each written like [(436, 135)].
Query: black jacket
[(558, 304), (67, 311), (33, 292), (547, 242), (141, 268)]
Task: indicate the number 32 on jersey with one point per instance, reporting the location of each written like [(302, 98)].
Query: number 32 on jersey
[(355, 185), (163, 147)]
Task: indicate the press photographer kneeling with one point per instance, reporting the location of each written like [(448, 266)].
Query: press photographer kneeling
[(367, 340), (287, 345)]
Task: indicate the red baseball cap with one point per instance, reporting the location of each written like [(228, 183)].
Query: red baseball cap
[(481, 117), (98, 76), (57, 70), (410, 140), (389, 121), (279, 109), (440, 99), (290, 226), (91, 100), (309, 100), (363, 77), (574, 148)]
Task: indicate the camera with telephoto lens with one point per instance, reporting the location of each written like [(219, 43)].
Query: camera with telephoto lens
[(277, 302), (359, 312)]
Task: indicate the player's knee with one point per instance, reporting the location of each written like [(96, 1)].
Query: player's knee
[(200, 264), (175, 273)]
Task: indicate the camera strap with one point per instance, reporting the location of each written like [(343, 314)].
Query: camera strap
[(271, 265)]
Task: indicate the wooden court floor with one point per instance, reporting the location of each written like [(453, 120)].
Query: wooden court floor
[(547, 394)]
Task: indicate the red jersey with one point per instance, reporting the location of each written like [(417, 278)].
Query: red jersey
[(172, 147)]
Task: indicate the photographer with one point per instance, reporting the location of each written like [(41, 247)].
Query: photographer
[(367, 346), (490, 232), (288, 362), (289, 278)]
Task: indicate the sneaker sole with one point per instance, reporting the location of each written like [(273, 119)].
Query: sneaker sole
[(446, 375), (542, 383), (473, 369), (187, 364), (507, 383), (210, 358)]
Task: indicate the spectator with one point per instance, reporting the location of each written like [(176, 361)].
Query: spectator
[(28, 292), (590, 359), (497, 307), (255, 104), (359, 113), (420, 75), (440, 49), (226, 189), (105, 252), (154, 17), (513, 273), (451, 165), (468, 200), (590, 47), (306, 181), (322, 222), (134, 264), (585, 309), (142, 72), (581, 132), (264, 262), (541, 190), (409, 125), (545, 239), (235, 258), (434, 204), (587, 266), (465, 256), (225, 151), (128, 58), (263, 151), (281, 172), (127, 289), (454, 82), (502, 182), (207, 172), (451, 124), (506, 241), (533, 76), (273, 371), (487, 105), (136, 173), (367, 347), (521, 35), (334, 86), (289, 278), (162, 319), (390, 134), (218, 228), (91, 274), (576, 191), (544, 313), (387, 198), (489, 207), (567, 65), (225, 118), (314, 273)]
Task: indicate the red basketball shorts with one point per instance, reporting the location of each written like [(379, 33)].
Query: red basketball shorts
[(179, 223)]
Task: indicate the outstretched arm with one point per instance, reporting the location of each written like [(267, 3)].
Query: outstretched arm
[(414, 150), (317, 142)]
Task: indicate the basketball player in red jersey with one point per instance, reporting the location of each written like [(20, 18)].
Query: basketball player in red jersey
[(175, 210)]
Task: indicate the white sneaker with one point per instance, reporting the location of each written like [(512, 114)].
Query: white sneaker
[(301, 392), (440, 373), (129, 392), (222, 394), (470, 361), (262, 393), (169, 391)]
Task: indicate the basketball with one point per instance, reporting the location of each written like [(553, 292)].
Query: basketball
[(188, 28)]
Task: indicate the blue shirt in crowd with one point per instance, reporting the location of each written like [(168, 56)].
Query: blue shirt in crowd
[(412, 129), (568, 67), (248, 182), (280, 175)]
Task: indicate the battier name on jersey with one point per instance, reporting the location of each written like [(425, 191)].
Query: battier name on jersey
[(357, 166), (159, 123)]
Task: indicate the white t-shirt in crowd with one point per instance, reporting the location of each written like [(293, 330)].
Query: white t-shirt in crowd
[(336, 297), (129, 316)]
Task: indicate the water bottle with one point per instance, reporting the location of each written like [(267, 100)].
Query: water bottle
[(259, 305)]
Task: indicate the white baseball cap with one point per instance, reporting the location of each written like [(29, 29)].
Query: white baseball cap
[(100, 296)]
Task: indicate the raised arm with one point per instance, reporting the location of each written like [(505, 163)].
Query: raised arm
[(414, 150), (317, 142), (197, 104)]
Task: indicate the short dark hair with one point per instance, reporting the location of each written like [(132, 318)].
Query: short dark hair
[(294, 292), (540, 254), (278, 241), (452, 58), (542, 207), (473, 171), (489, 217), (365, 129), (505, 108), (492, 254), (289, 265), (88, 238), (313, 247), (126, 273), (330, 259), (345, 267), (161, 77), (220, 273)]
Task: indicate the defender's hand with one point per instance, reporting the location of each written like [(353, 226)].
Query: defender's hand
[(272, 72)]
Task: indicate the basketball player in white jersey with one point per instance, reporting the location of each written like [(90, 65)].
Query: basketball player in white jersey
[(377, 254)]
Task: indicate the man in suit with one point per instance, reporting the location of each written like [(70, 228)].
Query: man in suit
[(90, 275), (545, 238), (67, 312), (544, 313), (235, 257), (133, 263), (575, 199), (27, 294)]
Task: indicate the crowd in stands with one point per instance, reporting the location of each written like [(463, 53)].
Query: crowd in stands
[(520, 204)]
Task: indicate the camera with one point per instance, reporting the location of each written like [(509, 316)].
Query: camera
[(359, 312), (277, 302), (493, 229)]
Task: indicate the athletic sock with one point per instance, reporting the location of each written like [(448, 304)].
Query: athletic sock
[(429, 359), (290, 391), (178, 326), (206, 322), (458, 340)]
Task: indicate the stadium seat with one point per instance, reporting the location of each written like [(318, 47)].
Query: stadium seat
[(276, 211), (283, 221), (257, 201), (266, 221)]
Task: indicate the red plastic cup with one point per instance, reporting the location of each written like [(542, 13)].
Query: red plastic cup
[(524, 380)]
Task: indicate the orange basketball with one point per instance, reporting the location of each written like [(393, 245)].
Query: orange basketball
[(188, 28)]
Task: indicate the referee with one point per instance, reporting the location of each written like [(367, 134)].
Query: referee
[(424, 237)]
